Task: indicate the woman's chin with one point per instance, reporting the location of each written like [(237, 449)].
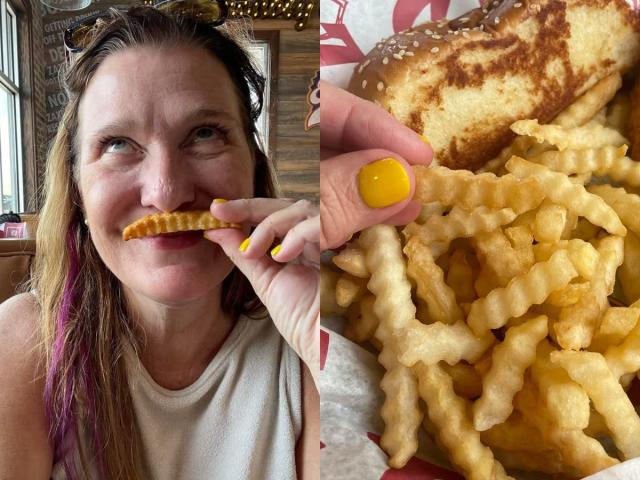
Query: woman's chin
[(180, 284)]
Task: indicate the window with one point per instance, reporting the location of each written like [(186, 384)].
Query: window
[(10, 137)]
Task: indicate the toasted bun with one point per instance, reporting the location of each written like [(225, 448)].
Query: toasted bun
[(463, 82)]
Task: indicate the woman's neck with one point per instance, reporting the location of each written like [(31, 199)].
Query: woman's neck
[(178, 342)]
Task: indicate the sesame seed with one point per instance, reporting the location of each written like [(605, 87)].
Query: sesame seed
[(437, 37), (441, 24), (409, 54), (411, 34), (484, 10), (428, 32), (464, 19), (517, 5), (404, 47), (392, 42), (416, 44), (397, 57), (364, 84), (482, 27), (402, 52), (385, 60), (465, 34), (456, 32), (435, 50), (380, 86), (360, 68), (379, 46), (497, 20), (495, 4)]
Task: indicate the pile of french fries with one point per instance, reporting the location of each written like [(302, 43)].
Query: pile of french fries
[(510, 306)]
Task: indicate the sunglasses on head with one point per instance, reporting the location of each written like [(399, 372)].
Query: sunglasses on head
[(209, 12)]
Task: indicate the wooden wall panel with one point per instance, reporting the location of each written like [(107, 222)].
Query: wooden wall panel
[(297, 152)]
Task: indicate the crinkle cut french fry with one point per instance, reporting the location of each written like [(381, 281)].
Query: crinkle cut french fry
[(545, 461), (590, 370), (395, 309), (440, 342), (616, 324), (625, 357), (626, 205), (459, 223), (574, 197), (519, 147), (578, 323), (361, 320), (349, 289), (510, 359), (328, 281), (580, 453), (460, 276), (498, 256), (549, 223), (590, 102), (583, 255), (531, 288), (448, 413), (515, 434), (429, 210), (466, 190), (592, 135), (568, 295), (400, 411), (352, 261), (170, 222), (605, 161), (466, 380), (628, 271), (431, 287), (393, 306), (521, 238), (566, 402)]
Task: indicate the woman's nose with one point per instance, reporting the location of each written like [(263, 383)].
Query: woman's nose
[(166, 184)]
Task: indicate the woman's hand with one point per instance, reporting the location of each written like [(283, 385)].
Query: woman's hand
[(289, 290), (365, 175)]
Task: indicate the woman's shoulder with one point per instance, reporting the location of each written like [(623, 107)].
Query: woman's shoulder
[(18, 323), (22, 385)]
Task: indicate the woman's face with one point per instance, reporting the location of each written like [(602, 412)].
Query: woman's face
[(159, 130)]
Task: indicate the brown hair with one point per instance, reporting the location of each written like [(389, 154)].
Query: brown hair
[(85, 326)]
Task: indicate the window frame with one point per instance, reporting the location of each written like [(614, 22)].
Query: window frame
[(10, 82), (29, 139)]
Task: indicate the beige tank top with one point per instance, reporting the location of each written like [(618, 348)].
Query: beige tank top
[(240, 420)]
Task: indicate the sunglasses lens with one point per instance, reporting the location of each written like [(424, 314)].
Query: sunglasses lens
[(205, 11), (80, 36)]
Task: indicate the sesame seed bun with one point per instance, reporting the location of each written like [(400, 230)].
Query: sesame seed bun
[(463, 82)]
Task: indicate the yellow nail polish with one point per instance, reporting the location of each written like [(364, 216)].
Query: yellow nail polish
[(425, 139), (383, 183), (219, 200), (276, 250), (245, 244)]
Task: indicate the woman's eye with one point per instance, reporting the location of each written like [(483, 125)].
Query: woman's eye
[(118, 145), (206, 133)]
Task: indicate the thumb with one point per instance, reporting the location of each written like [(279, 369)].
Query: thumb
[(259, 271), (364, 188)]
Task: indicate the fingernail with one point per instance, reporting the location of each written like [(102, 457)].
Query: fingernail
[(276, 250), (425, 139), (245, 244), (219, 200), (383, 183)]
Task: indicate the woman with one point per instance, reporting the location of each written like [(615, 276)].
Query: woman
[(145, 360)]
